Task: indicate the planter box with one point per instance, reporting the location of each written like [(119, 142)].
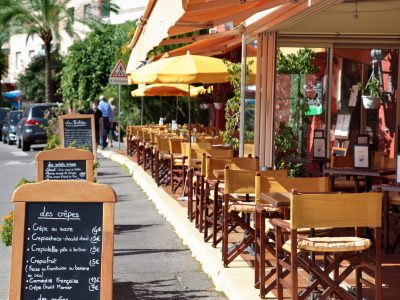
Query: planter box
[(371, 102)]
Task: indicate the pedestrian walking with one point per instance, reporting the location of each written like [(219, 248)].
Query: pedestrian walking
[(113, 123), (98, 120), (105, 109)]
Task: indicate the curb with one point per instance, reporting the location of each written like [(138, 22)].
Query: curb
[(237, 281)]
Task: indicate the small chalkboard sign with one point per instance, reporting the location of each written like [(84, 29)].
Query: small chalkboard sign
[(65, 164), (63, 241), (77, 131)]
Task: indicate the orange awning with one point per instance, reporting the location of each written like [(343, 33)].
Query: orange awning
[(172, 17)]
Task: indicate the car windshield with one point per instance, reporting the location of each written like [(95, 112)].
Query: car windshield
[(3, 113), (15, 117), (38, 111)]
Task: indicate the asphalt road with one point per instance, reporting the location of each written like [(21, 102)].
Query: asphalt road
[(150, 261), (14, 164)]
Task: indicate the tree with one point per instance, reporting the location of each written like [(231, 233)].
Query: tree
[(44, 18), (31, 82), (4, 36), (89, 63)]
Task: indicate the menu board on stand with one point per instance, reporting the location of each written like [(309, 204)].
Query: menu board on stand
[(77, 130), (63, 241), (65, 164)]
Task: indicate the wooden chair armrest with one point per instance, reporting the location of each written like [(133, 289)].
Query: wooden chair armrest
[(280, 223), (260, 209)]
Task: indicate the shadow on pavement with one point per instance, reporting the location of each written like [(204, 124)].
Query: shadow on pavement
[(123, 252), (124, 228), (155, 289)]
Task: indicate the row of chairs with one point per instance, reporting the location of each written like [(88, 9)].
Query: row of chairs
[(225, 203)]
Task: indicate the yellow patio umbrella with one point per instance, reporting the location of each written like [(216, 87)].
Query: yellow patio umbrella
[(160, 89), (168, 89), (183, 69)]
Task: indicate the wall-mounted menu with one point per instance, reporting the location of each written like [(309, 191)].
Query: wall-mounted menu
[(64, 169), (62, 251), (78, 132)]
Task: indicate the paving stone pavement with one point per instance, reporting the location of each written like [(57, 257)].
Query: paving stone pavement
[(150, 261)]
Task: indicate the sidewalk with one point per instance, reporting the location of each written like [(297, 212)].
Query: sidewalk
[(150, 261), (237, 281)]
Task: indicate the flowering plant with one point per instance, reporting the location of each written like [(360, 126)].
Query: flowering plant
[(6, 228)]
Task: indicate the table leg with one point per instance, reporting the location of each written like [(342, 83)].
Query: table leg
[(386, 221)]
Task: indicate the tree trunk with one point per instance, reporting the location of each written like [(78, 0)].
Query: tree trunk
[(47, 48)]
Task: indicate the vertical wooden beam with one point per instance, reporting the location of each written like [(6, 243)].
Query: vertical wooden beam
[(270, 100), (396, 151), (258, 97), (329, 99), (263, 99)]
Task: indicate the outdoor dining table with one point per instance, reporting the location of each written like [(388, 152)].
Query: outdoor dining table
[(279, 200), (368, 174)]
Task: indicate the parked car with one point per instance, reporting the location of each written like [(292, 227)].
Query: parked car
[(3, 113), (31, 129), (9, 128)]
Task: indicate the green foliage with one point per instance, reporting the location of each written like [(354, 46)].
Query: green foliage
[(286, 141), (43, 18), (6, 228), (232, 107), (372, 88), (32, 81), (23, 180), (52, 129), (89, 63), (299, 63)]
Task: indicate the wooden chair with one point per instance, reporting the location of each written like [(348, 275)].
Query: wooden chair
[(348, 183), (177, 163), (238, 204), (337, 211), (162, 160), (248, 150), (198, 183), (212, 200), (264, 230)]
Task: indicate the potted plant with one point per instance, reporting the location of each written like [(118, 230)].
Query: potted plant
[(371, 93)]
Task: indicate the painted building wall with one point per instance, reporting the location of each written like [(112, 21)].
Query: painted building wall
[(22, 50)]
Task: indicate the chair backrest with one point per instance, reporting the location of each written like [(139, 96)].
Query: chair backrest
[(336, 151), (190, 150), (219, 163), (218, 153), (335, 210), (248, 150), (341, 161), (281, 184), (388, 162), (242, 181), (175, 146), (244, 163), (162, 144), (377, 159)]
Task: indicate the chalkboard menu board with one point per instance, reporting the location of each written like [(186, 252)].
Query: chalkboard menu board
[(63, 241), (78, 133), (64, 170), (62, 251), (75, 164)]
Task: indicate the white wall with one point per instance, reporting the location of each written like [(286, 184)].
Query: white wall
[(129, 10)]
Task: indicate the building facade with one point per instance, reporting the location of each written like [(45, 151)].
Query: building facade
[(21, 50)]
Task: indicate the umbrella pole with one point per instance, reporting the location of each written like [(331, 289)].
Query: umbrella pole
[(190, 122), (242, 97), (176, 110), (161, 107), (141, 111)]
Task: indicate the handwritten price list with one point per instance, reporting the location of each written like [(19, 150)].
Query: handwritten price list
[(65, 170), (78, 133), (62, 251)]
